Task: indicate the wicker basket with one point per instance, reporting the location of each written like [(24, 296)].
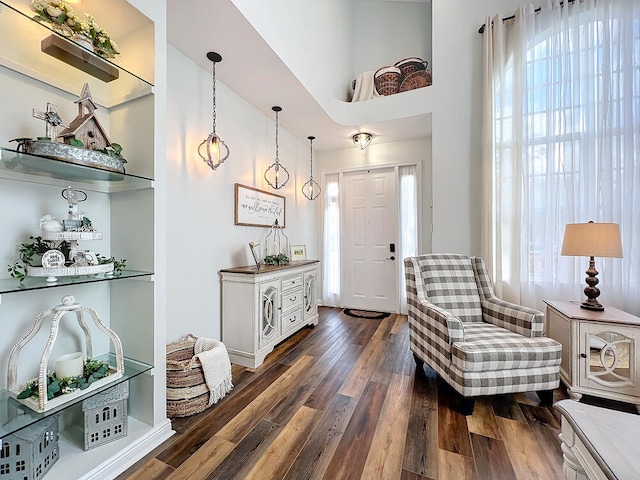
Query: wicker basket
[(409, 65), (417, 79), (387, 80), (187, 391)]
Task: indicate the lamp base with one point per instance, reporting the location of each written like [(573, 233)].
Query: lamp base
[(592, 292), (592, 305)]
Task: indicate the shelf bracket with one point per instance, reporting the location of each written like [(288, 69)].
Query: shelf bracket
[(76, 56)]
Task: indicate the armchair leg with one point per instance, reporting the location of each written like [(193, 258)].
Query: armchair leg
[(466, 405), (418, 360), (546, 398)]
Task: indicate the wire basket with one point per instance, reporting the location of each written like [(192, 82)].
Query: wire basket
[(187, 391), (387, 80)]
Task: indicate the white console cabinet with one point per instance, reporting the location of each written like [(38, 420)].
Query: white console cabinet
[(262, 307)]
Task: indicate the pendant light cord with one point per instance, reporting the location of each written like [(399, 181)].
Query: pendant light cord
[(213, 69), (277, 156), (311, 158)]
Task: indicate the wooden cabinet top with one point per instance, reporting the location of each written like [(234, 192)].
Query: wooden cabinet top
[(610, 314), (253, 270)]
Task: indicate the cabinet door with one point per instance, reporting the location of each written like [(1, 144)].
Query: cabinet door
[(269, 312), (310, 304), (608, 358)]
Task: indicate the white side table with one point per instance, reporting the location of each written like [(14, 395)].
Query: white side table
[(598, 443), (599, 351)]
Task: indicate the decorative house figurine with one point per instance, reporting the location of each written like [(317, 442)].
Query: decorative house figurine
[(28, 454), (86, 127), (105, 416)]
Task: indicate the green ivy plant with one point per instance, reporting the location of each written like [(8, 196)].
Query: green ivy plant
[(280, 259), (37, 246), (93, 370)]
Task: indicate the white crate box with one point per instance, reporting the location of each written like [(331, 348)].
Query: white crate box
[(105, 416), (28, 454)]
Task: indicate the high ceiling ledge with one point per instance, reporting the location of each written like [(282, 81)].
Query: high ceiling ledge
[(393, 107)]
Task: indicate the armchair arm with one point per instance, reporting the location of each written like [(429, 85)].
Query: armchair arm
[(522, 320), (435, 322)]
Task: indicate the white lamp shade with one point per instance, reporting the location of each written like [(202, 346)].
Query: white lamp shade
[(592, 240)]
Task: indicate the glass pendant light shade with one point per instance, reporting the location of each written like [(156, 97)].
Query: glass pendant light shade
[(213, 150), (276, 175), (311, 189)]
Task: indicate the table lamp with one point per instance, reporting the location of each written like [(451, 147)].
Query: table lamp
[(592, 240)]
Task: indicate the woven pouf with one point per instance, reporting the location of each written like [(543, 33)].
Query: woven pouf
[(187, 391)]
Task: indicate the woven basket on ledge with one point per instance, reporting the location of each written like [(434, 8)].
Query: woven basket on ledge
[(187, 391), (387, 80), (409, 65)]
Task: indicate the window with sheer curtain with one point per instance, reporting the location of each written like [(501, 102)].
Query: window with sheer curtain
[(331, 241), (561, 144)]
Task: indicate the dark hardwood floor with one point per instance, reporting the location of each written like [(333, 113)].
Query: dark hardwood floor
[(344, 400)]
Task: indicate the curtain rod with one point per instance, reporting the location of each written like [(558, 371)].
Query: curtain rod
[(511, 17)]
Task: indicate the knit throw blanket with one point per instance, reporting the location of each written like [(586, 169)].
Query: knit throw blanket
[(216, 367)]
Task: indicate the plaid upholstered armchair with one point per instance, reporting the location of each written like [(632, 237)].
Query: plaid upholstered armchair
[(479, 344)]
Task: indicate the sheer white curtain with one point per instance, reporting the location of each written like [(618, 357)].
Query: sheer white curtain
[(408, 224), (331, 242), (561, 144)]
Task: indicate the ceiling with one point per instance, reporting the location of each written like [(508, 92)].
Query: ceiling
[(255, 72)]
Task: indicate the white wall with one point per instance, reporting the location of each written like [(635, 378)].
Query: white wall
[(457, 103), (386, 32), (201, 236), (315, 42)]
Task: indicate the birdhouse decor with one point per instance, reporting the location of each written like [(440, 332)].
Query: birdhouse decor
[(83, 141), (85, 127)]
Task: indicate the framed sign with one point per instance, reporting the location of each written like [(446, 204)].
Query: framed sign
[(298, 252), (257, 208)]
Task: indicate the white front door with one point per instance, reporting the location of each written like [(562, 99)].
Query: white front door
[(370, 278)]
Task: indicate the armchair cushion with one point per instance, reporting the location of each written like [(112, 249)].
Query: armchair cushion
[(449, 282), (487, 347)]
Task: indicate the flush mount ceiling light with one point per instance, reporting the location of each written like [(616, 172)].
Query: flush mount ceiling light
[(276, 175), (362, 140), (213, 144), (311, 189)]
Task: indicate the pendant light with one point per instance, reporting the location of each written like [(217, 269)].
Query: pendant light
[(311, 189), (276, 175), (213, 144)]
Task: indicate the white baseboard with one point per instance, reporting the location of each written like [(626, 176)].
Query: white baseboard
[(124, 458)]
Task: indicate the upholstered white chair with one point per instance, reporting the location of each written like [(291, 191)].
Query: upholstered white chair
[(479, 344)]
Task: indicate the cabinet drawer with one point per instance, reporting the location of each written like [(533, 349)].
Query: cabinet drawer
[(291, 282), (291, 320), (291, 299)]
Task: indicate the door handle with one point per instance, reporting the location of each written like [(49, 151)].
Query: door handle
[(391, 258)]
